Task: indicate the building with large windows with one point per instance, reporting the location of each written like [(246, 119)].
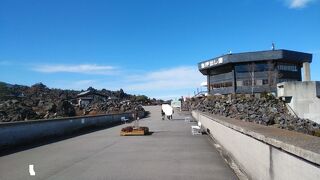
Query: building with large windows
[(254, 72)]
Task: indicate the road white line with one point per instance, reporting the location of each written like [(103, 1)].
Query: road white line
[(31, 170)]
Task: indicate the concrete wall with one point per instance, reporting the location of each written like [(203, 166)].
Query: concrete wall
[(302, 97), (17, 133), (258, 159)]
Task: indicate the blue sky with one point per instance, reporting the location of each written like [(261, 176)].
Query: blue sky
[(147, 47)]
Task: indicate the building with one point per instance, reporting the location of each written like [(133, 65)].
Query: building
[(254, 72), (302, 98), (86, 97)]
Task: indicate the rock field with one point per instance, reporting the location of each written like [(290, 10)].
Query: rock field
[(267, 111), (20, 103)]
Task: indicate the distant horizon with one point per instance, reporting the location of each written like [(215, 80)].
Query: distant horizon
[(145, 47)]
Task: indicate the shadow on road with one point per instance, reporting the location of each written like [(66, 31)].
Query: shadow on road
[(147, 114), (48, 140)]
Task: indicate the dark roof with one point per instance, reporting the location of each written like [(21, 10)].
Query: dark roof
[(281, 54), (89, 92)]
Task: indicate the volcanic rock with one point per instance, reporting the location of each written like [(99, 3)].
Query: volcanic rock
[(19, 103), (265, 110)]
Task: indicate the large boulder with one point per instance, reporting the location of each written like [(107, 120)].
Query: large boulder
[(65, 109)]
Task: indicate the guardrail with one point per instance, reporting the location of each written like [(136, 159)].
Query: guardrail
[(264, 152), (26, 132)]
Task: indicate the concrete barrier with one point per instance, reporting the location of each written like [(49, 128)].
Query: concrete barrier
[(260, 156), (26, 132)]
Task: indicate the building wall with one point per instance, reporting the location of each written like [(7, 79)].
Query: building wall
[(302, 98)]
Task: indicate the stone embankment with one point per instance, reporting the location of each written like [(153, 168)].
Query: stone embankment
[(267, 111)]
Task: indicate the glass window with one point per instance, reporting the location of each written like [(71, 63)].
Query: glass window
[(287, 67), (249, 67), (241, 68), (261, 67), (221, 85), (249, 82), (239, 83), (265, 81), (259, 82)]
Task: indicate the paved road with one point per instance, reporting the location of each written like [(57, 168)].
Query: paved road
[(171, 152)]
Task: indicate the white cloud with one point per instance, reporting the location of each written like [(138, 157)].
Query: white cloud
[(296, 4), (168, 79), (78, 85), (85, 83), (74, 84), (162, 83), (82, 68)]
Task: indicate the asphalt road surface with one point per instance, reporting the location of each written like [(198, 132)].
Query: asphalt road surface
[(171, 152)]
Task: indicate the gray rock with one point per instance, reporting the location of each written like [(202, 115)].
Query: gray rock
[(265, 111)]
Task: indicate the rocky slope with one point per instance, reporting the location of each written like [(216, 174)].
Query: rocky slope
[(266, 111), (19, 103)]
